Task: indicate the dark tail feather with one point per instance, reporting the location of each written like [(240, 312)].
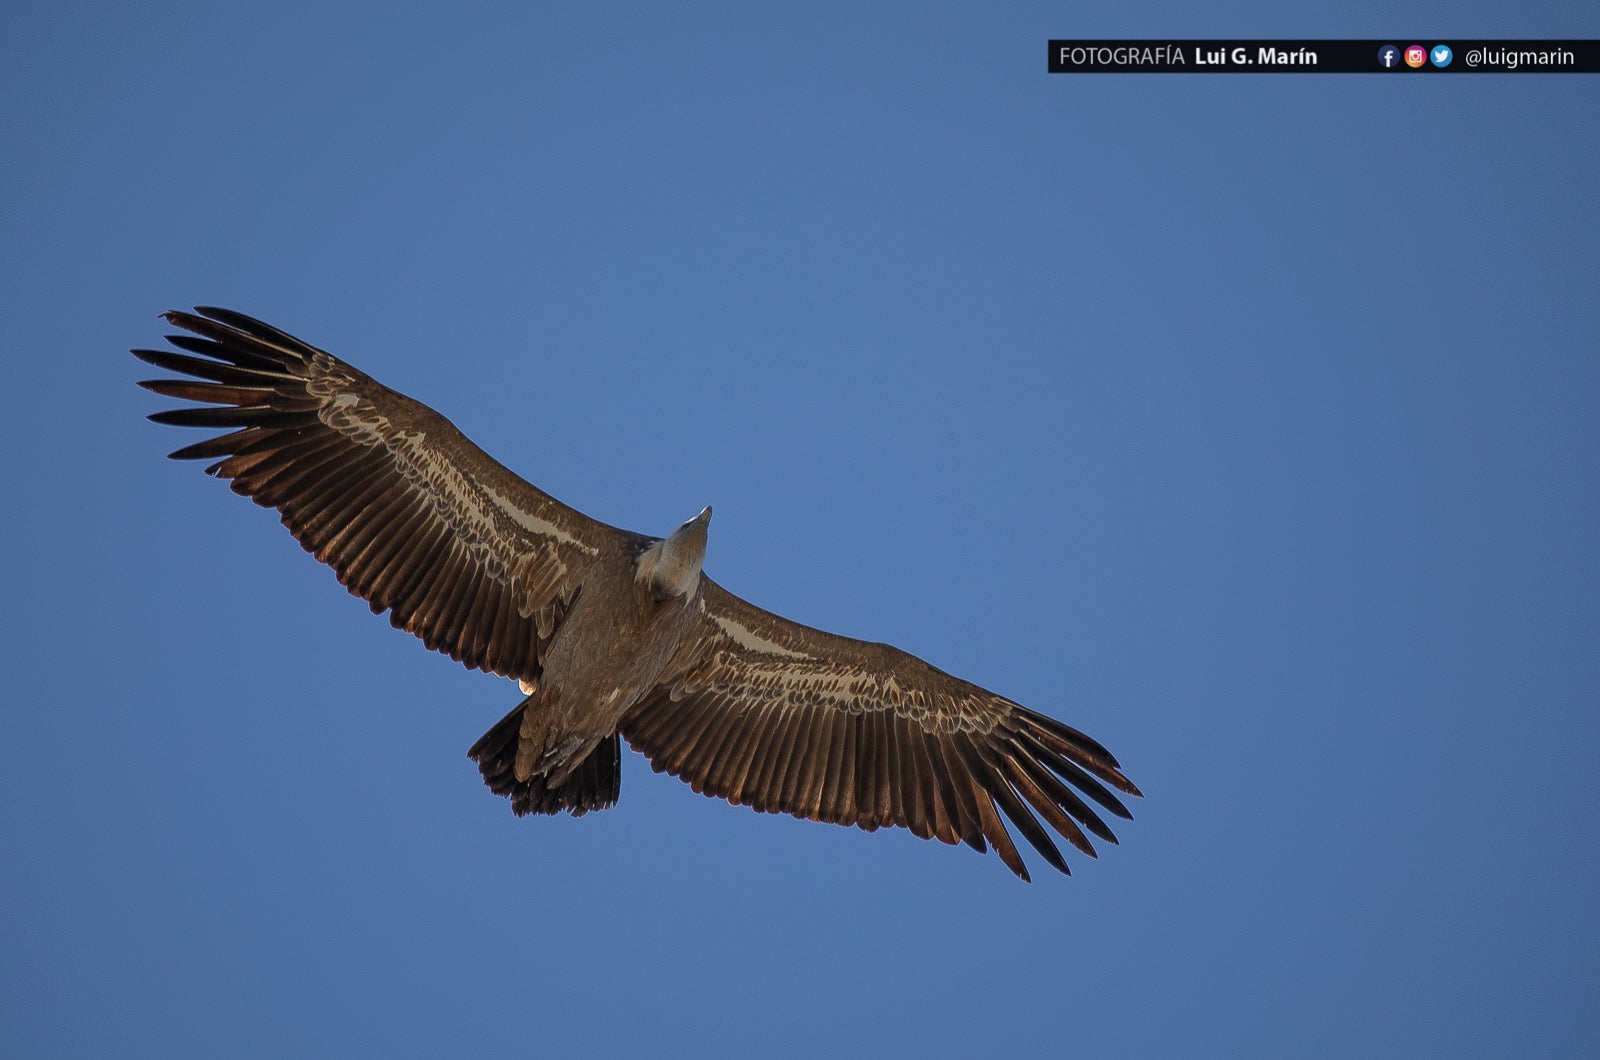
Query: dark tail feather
[(593, 784)]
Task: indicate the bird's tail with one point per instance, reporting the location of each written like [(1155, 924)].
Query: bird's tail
[(590, 784)]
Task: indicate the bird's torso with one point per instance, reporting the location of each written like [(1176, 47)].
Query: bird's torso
[(609, 651)]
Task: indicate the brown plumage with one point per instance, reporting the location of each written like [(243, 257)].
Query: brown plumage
[(615, 634)]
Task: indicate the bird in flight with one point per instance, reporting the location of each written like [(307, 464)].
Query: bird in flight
[(614, 635)]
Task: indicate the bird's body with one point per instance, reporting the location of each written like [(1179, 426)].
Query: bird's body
[(615, 635), (609, 650)]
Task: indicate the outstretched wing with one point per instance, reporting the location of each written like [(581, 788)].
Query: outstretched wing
[(411, 516), (768, 713)]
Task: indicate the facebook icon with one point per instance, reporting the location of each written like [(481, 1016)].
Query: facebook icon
[(1388, 56)]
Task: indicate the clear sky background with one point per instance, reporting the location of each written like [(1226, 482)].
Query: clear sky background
[(1250, 424)]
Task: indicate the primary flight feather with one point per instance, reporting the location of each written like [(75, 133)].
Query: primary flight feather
[(614, 634)]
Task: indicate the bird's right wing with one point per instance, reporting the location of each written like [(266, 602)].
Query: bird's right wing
[(411, 516), (766, 712)]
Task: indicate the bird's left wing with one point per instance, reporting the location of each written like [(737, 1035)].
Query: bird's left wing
[(768, 713), (409, 513)]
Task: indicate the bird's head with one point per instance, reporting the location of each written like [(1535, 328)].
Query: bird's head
[(672, 566)]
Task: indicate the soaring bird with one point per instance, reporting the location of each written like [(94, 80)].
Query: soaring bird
[(611, 634)]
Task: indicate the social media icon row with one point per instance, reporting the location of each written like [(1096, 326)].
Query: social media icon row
[(1415, 55)]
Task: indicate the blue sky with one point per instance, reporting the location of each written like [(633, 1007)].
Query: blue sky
[(1248, 424)]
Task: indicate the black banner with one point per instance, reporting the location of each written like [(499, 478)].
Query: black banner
[(1399, 56)]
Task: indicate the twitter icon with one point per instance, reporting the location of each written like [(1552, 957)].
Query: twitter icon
[(1441, 55)]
